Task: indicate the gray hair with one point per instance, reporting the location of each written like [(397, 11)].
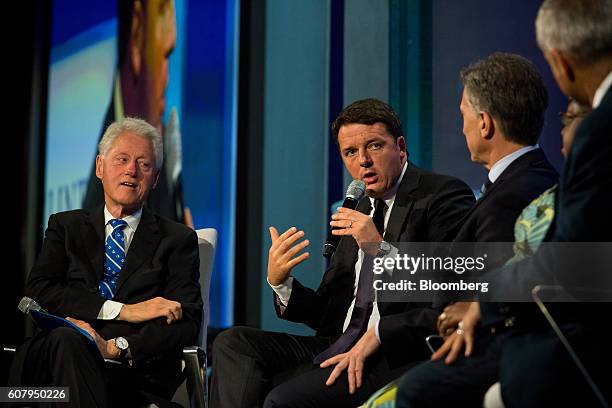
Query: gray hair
[(509, 88), (582, 28), (136, 126)]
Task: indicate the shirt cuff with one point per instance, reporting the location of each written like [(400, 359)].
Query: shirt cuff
[(376, 332), (283, 291), (110, 310)]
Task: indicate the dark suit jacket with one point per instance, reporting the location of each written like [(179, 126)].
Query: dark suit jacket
[(582, 214), (162, 260), (427, 207), (493, 217)]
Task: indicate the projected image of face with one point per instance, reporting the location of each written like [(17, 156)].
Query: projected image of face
[(372, 155), (161, 39), (145, 77)]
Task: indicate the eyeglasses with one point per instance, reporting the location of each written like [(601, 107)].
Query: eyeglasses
[(567, 118)]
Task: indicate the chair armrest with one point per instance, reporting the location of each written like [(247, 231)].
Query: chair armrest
[(195, 372), (536, 293)]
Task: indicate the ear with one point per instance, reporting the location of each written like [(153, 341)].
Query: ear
[(487, 125), (136, 41), (561, 65), (99, 167), (401, 143)]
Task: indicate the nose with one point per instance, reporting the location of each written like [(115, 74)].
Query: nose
[(131, 168), (364, 158)]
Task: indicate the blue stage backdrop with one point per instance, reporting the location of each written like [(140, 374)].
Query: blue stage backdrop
[(202, 90)]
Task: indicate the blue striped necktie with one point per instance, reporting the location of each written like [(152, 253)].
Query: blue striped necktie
[(115, 256)]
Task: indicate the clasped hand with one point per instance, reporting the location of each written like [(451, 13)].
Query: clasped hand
[(151, 309), (463, 336)]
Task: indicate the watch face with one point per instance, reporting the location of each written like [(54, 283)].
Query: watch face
[(385, 246), (121, 343)]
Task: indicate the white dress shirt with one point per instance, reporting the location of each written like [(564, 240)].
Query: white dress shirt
[(498, 168), (602, 90), (110, 309)]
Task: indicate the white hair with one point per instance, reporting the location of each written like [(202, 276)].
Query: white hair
[(136, 126), (582, 28)]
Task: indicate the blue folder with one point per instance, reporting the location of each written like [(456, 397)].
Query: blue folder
[(47, 322)]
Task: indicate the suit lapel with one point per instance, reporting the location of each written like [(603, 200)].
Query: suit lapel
[(92, 232), (143, 247), (404, 200)]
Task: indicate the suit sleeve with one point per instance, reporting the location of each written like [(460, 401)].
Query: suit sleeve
[(48, 282), (447, 208), (402, 335), (156, 337)]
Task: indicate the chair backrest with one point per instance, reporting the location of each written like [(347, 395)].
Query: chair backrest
[(207, 243)]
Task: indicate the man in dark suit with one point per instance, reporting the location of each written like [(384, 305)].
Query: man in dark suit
[(503, 139), (126, 276), (576, 40), (503, 107), (403, 204)]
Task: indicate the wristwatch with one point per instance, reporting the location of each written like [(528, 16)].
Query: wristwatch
[(383, 249), (122, 344)]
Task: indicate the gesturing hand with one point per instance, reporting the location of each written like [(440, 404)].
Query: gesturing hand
[(463, 336), (151, 309), (352, 361), (359, 225), (282, 256)]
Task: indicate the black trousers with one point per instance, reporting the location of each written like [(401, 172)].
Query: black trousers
[(65, 358), (533, 368), (254, 368)]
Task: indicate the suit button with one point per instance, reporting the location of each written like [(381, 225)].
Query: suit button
[(509, 322), (493, 330)]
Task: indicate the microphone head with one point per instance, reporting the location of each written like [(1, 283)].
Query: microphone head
[(356, 190), (26, 304)]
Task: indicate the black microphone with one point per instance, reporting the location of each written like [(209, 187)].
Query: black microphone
[(26, 304), (354, 192)]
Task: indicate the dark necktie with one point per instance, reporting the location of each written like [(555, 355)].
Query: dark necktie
[(115, 256), (363, 299), (485, 186)]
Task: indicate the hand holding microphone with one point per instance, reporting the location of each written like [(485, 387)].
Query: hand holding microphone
[(354, 192)]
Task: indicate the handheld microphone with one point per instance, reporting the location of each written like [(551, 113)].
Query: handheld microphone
[(354, 192), (26, 304)]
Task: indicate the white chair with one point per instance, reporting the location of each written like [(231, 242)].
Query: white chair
[(195, 357)]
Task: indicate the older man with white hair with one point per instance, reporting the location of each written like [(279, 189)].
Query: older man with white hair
[(126, 276)]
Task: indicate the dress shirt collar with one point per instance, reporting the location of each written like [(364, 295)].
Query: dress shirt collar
[(602, 90), (132, 220), (498, 168)]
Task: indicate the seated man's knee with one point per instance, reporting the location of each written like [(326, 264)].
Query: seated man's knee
[(233, 340), (408, 392), (65, 336), (278, 397)]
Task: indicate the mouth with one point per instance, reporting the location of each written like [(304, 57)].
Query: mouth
[(128, 184), (369, 178)]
